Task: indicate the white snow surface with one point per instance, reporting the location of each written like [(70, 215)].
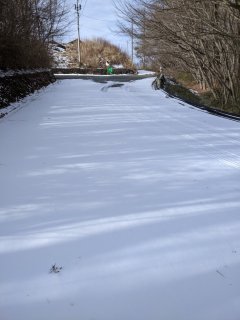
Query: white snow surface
[(133, 194), (60, 58), (145, 72), (83, 75), (11, 72)]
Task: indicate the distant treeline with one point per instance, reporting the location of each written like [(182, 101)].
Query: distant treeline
[(26, 28), (201, 37)]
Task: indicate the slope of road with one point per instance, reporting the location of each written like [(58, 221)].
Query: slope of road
[(118, 203)]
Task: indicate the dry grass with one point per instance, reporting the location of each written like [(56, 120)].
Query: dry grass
[(94, 53)]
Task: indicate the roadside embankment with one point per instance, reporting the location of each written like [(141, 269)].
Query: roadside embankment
[(92, 71), (201, 101), (17, 85)]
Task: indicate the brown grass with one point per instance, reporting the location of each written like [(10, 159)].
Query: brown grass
[(95, 52)]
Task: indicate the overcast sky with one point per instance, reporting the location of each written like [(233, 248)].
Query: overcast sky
[(98, 19)]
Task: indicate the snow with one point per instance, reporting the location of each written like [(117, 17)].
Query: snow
[(146, 72), (92, 75), (60, 58), (10, 72), (132, 194), (76, 75), (118, 66)]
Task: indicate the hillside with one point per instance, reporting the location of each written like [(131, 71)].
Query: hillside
[(94, 53)]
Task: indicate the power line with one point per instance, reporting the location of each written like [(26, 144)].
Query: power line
[(96, 18), (84, 5)]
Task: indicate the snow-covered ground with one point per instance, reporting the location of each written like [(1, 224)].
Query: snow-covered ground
[(134, 195), (10, 72), (145, 72), (60, 58)]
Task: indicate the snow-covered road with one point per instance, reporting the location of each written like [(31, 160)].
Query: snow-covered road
[(134, 195)]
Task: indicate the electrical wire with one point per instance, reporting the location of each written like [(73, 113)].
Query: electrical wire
[(84, 4), (96, 18)]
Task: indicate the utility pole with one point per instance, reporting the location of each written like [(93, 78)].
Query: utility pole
[(144, 39), (78, 8), (132, 40)]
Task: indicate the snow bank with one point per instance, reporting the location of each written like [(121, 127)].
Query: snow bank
[(11, 73), (146, 72), (15, 85)]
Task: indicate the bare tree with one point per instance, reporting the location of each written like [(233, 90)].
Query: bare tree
[(26, 28), (200, 36), (51, 18)]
